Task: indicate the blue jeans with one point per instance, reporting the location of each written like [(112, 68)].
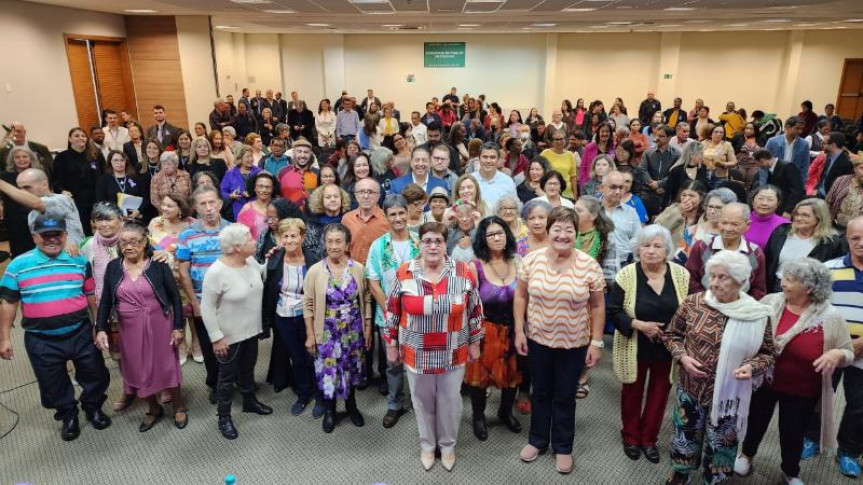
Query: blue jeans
[(292, 332), (554, 374), (395, 383)]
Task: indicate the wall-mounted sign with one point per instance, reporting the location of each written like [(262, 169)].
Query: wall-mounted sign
[(443, 54), (411, 78)]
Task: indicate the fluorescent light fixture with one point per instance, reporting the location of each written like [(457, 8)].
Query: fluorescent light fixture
[(318, 25), (485, 1), (705, 30), (251, 1), (226, 27), (679, 9), (468, 25), (281, 10), (699, 21), (856, 21), (808, 25), (737, 25), (623, 22), (542, 24), (578, 9), (598, 27), (668, 25), (360, 2), (775, 21), (139, 10), (393, 25)]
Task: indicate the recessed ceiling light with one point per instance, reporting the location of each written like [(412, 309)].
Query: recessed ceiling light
[(468, 25), (318, 25), (775, 21), (543, 24), (139, 10), (679, 9), (598, 26), (361, 2), (251, 1), (392, 25), (737, 25), (668, 25), (282, 10), (808, 25), (226, 27), (576, 9), (705, 30), (697, 21), (619, 23), (853, 20)]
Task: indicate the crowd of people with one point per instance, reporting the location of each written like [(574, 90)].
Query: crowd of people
[(462, 249)]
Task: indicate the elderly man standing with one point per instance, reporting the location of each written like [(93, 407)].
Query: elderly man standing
[(300, 178), (347, 121), (220, 117), (733, 223), (56, 292), (627, 225), (386, 254), (847, 273), (19, 139), (197, 249), (61, 206), (647, 108)]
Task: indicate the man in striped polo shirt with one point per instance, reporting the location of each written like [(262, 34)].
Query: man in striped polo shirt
[(197, 249), (56, 295), (847, 275)]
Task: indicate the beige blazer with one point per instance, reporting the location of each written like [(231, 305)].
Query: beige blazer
[(315, 296)]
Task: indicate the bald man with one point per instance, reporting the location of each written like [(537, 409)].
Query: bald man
[(18, 138), (59, 206)]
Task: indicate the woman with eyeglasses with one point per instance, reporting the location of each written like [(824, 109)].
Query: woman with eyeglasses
[(254, 213), (413, 329), (144, 296), (234, 184), (564, 162)]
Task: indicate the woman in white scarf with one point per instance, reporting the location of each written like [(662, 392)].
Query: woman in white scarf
[(722, 339), (812, 340)]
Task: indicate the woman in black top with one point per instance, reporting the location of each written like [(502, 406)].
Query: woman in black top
[(202, 160), (642, 302), (688, 167), (120, 178), (76, 171), (531, 187), (301, 121)]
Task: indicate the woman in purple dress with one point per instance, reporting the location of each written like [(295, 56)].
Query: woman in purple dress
[(144, 297), (496, 268), (337, 311)]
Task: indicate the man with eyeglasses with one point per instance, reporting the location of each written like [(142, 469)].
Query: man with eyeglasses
[(368, 221), (847, 273), (627, 225), (440, 160), (56, 293)]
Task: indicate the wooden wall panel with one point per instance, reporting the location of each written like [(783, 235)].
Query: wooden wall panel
[(155, 64), (82, 84), (115, 88)]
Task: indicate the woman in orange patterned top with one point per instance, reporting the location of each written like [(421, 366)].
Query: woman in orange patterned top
[(561, 291)]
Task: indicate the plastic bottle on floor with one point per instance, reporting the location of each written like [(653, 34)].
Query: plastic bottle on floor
[(230, 480)]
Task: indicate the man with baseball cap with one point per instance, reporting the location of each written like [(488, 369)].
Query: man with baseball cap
[(56, 293)]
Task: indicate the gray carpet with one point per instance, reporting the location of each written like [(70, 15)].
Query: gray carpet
[(285, 449)]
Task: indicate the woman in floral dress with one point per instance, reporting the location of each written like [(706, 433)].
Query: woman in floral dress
[(336, 307)]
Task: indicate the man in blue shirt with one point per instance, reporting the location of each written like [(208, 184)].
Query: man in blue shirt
[(347, 121), (789, 147), (277, 159)]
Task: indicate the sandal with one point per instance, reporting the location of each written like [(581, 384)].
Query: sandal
[(582, 391), (150, 420), (124, 402), (165, 397), (181, 419)]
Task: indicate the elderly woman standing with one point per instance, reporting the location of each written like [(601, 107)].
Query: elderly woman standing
[(642, 302), (234, 186), (337, 311), (535, 216), (561, 292), (845, 196), (496, 268), (169, 180), (508, 208), (146, 301), (723, 341), (231, 309), (812, 340), (810, 233), (434, 325), (714, 201)]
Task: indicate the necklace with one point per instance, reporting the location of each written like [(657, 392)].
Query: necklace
[(494, 270)]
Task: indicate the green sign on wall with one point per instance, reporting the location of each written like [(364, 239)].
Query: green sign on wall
[(444, 54)]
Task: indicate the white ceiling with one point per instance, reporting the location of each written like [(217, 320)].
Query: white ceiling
[(496, 16)]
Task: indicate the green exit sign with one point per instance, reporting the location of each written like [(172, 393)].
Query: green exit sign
[(667, 76)]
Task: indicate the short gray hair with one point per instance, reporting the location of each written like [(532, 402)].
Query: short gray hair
[(507, 197), (647, 234), (233, 236), (744, 209), (105, 211), (736, 263), (533, 204), (229, 130), (170, 157), (726, 195), (813, 275), (395, 200)]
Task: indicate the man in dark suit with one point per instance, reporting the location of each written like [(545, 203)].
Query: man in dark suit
[(837, 163), (431, 115), (283, 106), (783, 175), (163, 131), (275, 107), (371, 98), (19, 139), (257, 104)]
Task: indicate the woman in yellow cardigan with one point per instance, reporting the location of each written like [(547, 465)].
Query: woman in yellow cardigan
[(643, 300), (337, 311)]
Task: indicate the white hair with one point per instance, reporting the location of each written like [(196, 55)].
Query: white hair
[(736, 263), (233, 237), (647, 234)]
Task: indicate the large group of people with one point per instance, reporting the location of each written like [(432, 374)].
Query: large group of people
[(458, 251)]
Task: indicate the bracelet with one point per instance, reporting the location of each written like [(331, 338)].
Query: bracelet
[(597, 343)]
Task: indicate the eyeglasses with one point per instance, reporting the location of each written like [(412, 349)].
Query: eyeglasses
[(51, 236), (130, 242), (508, 209), (432, 242), (715, 207), (366, 193), (495, 235), (558, 139)]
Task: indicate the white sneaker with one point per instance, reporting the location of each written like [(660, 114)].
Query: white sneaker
[(793, 480), (743, 466)]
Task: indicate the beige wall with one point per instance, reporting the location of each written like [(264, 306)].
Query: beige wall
[(196, 63), (35, 86), (768, 70)]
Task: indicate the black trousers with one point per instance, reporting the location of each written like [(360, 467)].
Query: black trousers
[(237, 367), (292, 332), (48, 357), (850, 435), (794, 414), (211, 364), (555, 374)]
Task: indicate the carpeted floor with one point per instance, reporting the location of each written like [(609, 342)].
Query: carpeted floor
[(285, 449)]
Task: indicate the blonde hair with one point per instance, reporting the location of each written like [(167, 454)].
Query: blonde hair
[(10, 160), (824, 229), (316, 200), (291, 223), (478, 203), (194, 149)]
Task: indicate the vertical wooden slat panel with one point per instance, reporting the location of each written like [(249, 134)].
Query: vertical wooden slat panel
[(114, 90), (849, 104), (154, 56), (82, 84)]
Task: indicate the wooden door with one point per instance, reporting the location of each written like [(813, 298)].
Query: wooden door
[(83, 89), (113, 78), (849, 104), (101, 78)]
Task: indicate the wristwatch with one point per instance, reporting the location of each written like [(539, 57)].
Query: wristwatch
[(597, 343)]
